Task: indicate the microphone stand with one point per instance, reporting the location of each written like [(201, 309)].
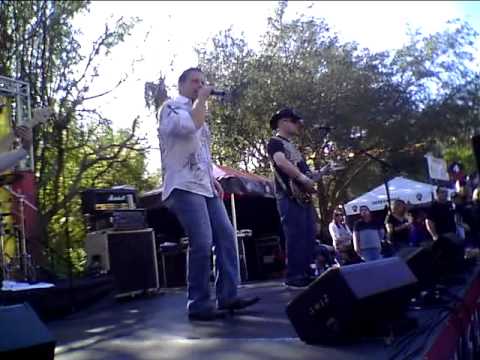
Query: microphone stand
[(25, 258), (386, 168)]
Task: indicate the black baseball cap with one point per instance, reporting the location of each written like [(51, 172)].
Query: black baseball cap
[(285, 113)]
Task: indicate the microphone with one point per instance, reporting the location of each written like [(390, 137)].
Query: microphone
[(218, 93)]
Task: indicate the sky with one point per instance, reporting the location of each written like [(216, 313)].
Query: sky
[(164, 40)]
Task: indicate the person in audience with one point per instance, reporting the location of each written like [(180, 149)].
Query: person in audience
[(398, 225), (418, 231), (440, 219), (476, 217), (324, 255), (367, 236), (464, 217), (342, 239)]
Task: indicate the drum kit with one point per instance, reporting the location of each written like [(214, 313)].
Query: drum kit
[(19, 266), (15, 110)]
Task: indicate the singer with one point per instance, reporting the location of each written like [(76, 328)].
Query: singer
[(196, 198)]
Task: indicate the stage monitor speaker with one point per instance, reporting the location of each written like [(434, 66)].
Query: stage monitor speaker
[(420, 261), (23, 335), (132, 257), (448, 255), (352, 300)]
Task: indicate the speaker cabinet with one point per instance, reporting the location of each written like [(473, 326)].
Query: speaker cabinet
[(130, 256), (352, 300), (448, 256), (96, 248), (420, 261), (23, 335)]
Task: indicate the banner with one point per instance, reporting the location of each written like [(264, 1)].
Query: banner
[(437, 168)]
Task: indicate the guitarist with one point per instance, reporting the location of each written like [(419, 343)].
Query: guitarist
[(297, 215), (10, 158)]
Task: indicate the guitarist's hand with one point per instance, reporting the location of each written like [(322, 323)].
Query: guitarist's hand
[(25, 135), (308, 183)]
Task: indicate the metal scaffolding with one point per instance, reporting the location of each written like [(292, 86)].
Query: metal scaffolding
[(20, 92)]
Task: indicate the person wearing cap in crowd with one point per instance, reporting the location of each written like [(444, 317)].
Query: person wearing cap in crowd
[(298, 219)]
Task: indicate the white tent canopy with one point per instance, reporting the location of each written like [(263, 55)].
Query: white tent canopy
[(410, 191)]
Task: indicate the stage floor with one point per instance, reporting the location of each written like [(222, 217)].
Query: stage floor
[(156, 327)]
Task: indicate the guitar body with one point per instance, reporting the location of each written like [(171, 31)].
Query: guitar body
[(301, 194)]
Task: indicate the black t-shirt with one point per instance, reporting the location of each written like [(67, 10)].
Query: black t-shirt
[(275, 145), (399, 236), (443, 216), (466, 212), (475, 217)]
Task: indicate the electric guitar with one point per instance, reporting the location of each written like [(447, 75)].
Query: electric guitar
[(39, 116), (301, 194)]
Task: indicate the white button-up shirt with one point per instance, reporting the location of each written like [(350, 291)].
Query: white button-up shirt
[(184, 149)]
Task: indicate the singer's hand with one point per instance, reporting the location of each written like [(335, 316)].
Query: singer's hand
[(219, 188), (205, 92)]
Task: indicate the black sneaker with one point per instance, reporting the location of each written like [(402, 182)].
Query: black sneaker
[(239, 303), (298, 283), (206, 315)]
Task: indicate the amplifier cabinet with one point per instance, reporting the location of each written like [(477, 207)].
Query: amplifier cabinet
[(97, 249), (133, 260), (130, 256)]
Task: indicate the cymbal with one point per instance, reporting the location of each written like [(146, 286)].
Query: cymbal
[(7, 179)]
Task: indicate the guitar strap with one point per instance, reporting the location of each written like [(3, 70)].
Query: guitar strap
[(277, 176), (281, 182)]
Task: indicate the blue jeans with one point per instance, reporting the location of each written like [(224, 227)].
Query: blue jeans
[(370, 254), (206, 223), (298, 224)]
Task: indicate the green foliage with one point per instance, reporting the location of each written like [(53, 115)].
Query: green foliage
[(77, 149), (393, 103), (463, 154)]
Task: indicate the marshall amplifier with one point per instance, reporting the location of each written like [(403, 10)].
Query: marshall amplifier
[(129, 219), (102, 201)]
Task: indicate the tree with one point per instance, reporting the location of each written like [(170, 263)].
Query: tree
[(388, 103), (77, 148)]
